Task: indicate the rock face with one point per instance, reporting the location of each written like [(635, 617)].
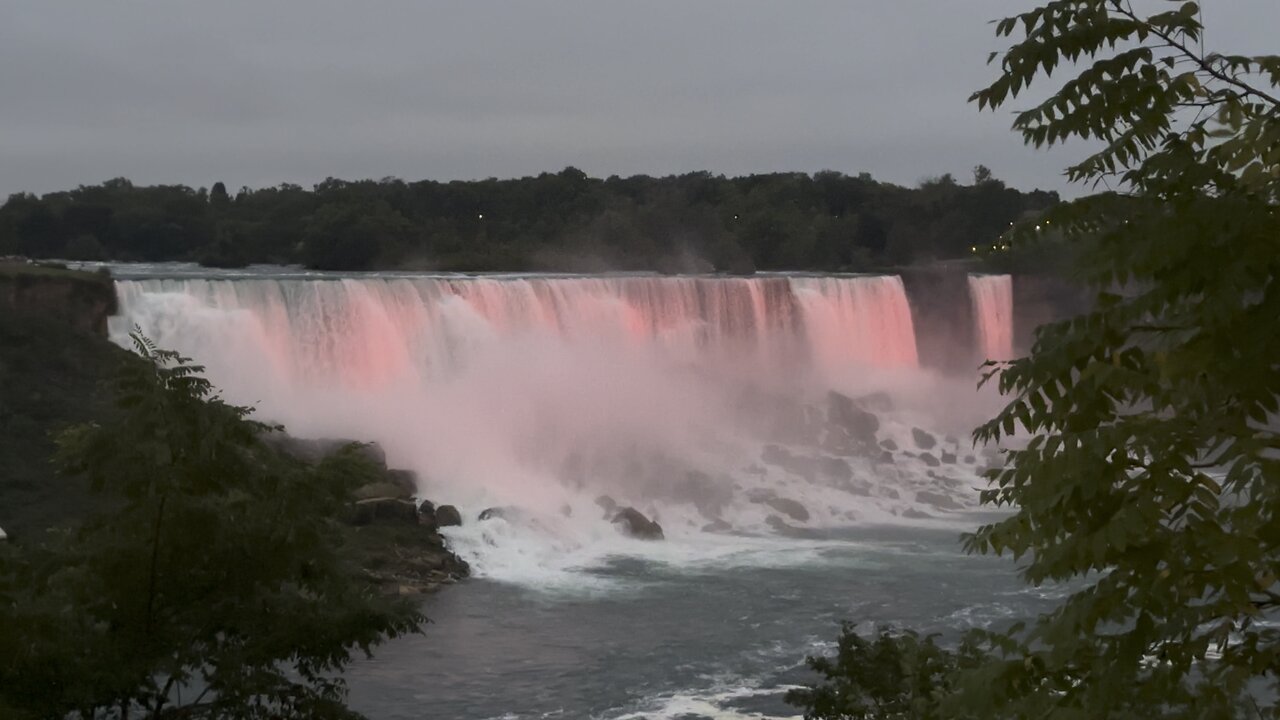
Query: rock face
[(82, 300), (633, 523), (448, 516)]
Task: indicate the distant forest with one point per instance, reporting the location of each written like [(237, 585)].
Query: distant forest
[(563, 221)]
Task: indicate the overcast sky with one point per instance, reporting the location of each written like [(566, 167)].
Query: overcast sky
[(259, 93)]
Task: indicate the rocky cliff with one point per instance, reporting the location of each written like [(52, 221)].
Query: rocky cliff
[(82, 300)]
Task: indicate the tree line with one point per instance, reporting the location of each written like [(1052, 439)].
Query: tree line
[(567, 221)]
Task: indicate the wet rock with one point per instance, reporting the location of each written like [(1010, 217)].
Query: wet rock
[(861, 424), (781, 527), (633, 523), (951, 439), (929, 459), (404, 479), (915, 514), (948, 458), (382, 510), (875, 402), (427, 514), (709, 495), (3, 535), (886, 458), (836, 468), (607, 504), (938, 500), (889, 444), (448, 516), (774, 455), (805, 467), (924, 440), (788, 507), (969, 460), (494, 512), (382, 490), (717, 526)]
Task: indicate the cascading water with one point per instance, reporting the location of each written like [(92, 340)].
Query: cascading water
[(992, 298), (697, 400)]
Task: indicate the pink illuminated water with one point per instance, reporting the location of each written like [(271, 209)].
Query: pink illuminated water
[(992, 297)]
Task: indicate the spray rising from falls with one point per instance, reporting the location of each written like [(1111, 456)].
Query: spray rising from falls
[(992, 297), (702, 401)]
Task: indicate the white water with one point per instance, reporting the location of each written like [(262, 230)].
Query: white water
[(542, 393), (992, 297)]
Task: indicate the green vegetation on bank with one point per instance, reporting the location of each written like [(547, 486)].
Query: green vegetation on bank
[(194, 571), (1149, 486), (556, 221)]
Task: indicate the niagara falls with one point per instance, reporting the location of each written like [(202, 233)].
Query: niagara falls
[(563, 360)]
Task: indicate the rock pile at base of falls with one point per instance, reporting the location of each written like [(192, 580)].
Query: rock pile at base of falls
[(393, 536)]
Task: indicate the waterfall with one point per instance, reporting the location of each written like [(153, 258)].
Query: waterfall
[(672, 394), (372, 330), (992, 297)]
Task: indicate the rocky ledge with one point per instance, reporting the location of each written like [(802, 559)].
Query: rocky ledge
[(392, 535)]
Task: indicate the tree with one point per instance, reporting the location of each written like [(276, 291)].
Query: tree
[(218, 196), (209, 586), (1149, 480)]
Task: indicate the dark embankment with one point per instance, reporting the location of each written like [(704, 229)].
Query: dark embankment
[(56, 367)]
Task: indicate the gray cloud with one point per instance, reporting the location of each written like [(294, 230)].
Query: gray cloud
[(256, 94)]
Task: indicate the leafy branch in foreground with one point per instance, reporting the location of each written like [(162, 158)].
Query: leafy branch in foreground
[(1150, 474), (210, 586)]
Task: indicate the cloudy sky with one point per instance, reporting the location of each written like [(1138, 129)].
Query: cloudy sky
[(259, 93)]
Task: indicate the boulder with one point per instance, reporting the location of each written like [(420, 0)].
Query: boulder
[(889, 444), (493, 512), (448, 516), (969, 460), (717, 526), (929, 459), (608, 505), (938, 500), (915, 514), (948, 458), (886, 458), (709, 495), (861, 424), (781, 527), (788, 507), (836, 468), (406, 479), (382, 490), (427, 514), (876, 402), (924, 440), (633, 523), (382, 510)]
